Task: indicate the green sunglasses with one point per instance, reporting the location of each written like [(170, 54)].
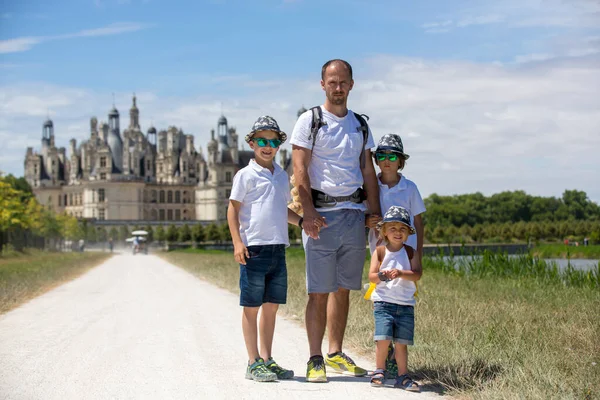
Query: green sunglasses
[(389, 156), (262, 142)]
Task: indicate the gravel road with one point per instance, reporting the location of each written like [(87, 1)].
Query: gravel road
[(137, 327)]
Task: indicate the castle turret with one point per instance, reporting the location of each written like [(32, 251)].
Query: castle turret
[(134, 116)]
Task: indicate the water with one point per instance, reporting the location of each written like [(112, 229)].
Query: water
[(580, 264)]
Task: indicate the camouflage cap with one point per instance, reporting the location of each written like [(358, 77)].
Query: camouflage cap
[(266, 123), (397, 214), (391, 142)]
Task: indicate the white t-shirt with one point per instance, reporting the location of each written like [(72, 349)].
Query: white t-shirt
[(397, 291), (264, 197), (335, 164), (404, 194)]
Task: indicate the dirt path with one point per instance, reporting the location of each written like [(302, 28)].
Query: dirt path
[(137, 327)]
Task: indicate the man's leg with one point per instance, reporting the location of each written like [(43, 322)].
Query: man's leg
[(337, 317), (267, 328), (316, 321), (250, 332)]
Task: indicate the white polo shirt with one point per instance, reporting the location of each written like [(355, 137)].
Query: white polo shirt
[(264, 197), (335, 164), (404, 194)]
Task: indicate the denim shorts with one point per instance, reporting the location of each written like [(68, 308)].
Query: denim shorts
[(394, 322), (336, 260), (264, 277)]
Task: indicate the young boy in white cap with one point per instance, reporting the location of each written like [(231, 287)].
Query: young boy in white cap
[(258, 217), (394, 270)]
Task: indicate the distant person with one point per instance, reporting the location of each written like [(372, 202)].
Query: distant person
[(110, 244), (396, 190), (394, 269), (586, 241), (136, 244), (81, 245), (258, 221), (334, 174)]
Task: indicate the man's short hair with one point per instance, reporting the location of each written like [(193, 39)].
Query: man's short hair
[(328, 63)]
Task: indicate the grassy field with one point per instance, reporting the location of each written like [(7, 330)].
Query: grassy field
[(481, 337), (23, 277), (560, 250)]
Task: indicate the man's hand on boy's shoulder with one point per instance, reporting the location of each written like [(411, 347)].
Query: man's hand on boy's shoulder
[(240, 253)]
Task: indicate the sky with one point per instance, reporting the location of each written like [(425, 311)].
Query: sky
[(487, 96)]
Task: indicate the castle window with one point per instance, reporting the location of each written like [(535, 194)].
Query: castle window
[(170, 215), (177, 215), (65, 201), (177, 196), (93, 196), (153, 215), (227, 193), (102, 176), (102, 162), (70, 199), (153, 198), (161, 215), (169, 196), (228, 176), (160, 168), (149, 168), (35, 169), (59, 200), (184, 166), (161, 198), (101, 214), (101, 196)]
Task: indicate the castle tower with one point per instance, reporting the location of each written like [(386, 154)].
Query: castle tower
[(301, 111), (114, 138), (47, 134), (151, 135), (222, 131), (134, 116)]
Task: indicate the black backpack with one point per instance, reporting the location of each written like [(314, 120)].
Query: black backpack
[(317, 123)]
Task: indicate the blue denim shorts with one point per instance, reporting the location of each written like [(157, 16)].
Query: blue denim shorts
[(264, 277), (394, 322)]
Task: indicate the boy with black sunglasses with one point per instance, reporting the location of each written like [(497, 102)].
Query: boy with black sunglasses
[(258, 218), (396, 190)]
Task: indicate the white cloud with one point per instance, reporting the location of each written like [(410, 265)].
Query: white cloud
[(27, 43), (468, 127)]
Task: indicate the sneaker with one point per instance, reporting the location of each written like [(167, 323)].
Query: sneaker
[(259, 372), (281, 373), (315, 370), (342, 364)]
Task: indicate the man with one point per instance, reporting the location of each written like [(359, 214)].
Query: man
[(329, 178)]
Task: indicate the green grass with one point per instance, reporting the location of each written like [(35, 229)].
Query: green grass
[(27, 275), (559, 250), (480, 336)]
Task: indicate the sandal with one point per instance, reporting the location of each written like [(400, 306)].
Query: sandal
[(404, 382), (378, 378)]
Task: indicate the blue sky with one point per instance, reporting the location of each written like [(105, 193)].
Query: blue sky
[(487, 97)]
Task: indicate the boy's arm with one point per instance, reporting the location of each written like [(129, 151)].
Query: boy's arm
[(293, 218), (240, 252), (418, 221), (374, 268)]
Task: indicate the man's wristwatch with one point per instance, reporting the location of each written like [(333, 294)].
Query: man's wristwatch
[(300, 221), (382, 277)]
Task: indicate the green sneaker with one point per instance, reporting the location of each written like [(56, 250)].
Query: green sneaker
[(342, 364), (281, 373), (259, 373), (315, 370)]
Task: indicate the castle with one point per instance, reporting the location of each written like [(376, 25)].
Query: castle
[(131, 176)]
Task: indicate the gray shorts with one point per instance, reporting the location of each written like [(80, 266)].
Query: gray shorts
[(336, 259)]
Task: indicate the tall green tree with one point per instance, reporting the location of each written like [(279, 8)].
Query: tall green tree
[(185, 233)]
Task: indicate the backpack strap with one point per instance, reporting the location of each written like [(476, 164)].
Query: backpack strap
[(410, 252), (380, 253), (364, 128), (316, 124)]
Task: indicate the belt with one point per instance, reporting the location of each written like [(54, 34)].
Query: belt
[(321, 199)]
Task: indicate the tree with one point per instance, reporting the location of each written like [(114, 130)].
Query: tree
[(150, 231), (123, 233), (160, 234), (114, 233), (185, 234), (212, 232), (172, 234), (225, 233), (198, 233)]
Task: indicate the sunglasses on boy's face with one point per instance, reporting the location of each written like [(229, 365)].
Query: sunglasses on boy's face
[(389, 156), (262, 142)]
